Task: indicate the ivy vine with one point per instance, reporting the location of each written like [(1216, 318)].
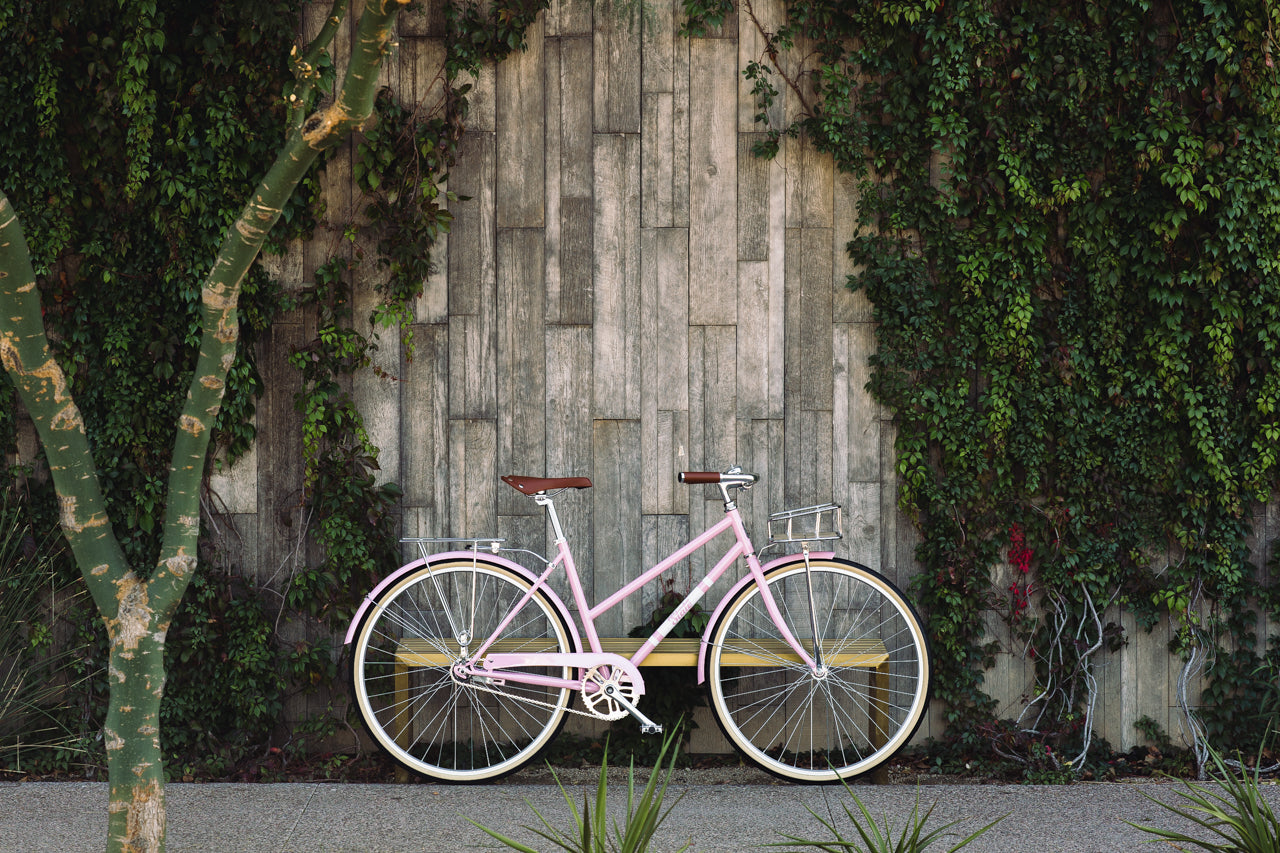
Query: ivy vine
[(1069, 230), (138, 125)]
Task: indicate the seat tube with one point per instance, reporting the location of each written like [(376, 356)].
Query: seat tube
[(571, 572)]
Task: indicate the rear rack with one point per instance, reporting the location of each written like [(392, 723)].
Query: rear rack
[(473, 543), (807, 524)]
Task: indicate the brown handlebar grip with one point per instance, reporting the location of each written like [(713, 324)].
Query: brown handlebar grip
[(700, 477)]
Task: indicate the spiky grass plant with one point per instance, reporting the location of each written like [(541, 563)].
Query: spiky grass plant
[(1236, 812), (590, 830), (34, 672), (869, 837)]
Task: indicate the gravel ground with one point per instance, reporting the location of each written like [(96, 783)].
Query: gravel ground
[(714, 815)]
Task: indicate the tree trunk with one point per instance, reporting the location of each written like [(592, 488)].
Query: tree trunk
[(137, 612), (135, 768)]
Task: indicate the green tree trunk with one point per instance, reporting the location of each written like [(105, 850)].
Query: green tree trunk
[(137, 610)]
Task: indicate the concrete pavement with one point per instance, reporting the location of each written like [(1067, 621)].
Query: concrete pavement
[(70, 817)]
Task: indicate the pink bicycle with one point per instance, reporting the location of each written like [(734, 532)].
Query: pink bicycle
[(465, 663)]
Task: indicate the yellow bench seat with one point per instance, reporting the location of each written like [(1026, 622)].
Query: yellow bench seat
[(869, 654)]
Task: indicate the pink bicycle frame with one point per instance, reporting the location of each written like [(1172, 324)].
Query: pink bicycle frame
[(588, 614)]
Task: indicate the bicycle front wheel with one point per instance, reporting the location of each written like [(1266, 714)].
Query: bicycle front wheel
[(842, 719), (432, 720)]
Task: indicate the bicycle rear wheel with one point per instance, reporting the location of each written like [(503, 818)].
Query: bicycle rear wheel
[(851, 715), (430, 720)]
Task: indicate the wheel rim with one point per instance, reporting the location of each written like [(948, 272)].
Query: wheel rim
[(866, 705), (427, 717)]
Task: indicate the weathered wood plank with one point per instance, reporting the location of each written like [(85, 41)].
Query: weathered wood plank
[(616, 277), (808, 453), (727, 30), (753, 201), (425, 432), (279, 457), (860, 504), (522, 363), (421, 63), (718, 392), (1146, 686), (755, 362), (473, 478), (520, 119), (616, 95), (529, 531), (569, 433), (1108, 715), (471, 262), (697, 455), (681, 88), (569, 17), (376, 391), (423, 60), (758, 443), (551, 176), (482, 115), (473, 377), (576, 153), (234, 487), (713, 166), (473, 283), (668, 456), (812, 330), (850, 306), (658, 42), (618, 530), (856, 415), (576, 302), (664, 353), (658, 159), (810, 185)]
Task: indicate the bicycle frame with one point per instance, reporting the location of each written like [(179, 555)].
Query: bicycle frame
[(497, 664)]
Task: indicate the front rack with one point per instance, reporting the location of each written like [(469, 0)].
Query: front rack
[(807, 524)]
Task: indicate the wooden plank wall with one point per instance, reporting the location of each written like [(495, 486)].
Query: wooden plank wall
[(627, 292)]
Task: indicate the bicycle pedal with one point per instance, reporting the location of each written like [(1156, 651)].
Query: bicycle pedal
[(654, 729)]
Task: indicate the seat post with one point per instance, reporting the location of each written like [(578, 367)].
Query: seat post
[(544, 499)]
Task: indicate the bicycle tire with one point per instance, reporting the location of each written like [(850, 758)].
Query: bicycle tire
[(839, 724), (432, 723)]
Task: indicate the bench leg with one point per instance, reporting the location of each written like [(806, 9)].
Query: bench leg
[(403, 731), (877, 716)]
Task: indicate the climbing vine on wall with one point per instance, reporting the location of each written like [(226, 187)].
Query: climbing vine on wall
[(401, 169), (1070, 233), (133, 130)]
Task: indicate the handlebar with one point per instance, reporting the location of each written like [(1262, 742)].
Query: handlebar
[(733, 478)]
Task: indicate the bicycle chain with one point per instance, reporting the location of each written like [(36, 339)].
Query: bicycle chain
[(527, 700)]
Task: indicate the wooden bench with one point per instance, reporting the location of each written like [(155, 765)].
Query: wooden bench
[(867, 654)]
